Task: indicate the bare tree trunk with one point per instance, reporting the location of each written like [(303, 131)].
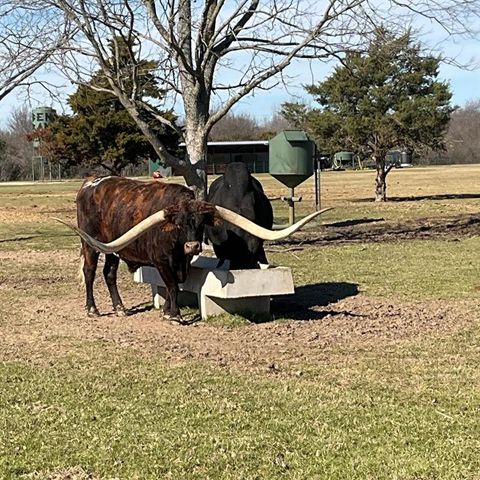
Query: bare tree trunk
[(381, 179), (196, 145), (192, 171), (196, 99)]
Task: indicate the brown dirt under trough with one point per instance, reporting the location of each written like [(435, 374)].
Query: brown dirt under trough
[(44, 328), (39, 326)]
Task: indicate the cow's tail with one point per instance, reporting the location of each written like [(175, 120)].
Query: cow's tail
[(81, 275)]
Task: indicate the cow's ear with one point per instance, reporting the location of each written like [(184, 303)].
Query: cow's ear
[(212, 220), (209, 219), (217, 221), (167, 227), (217, 232)]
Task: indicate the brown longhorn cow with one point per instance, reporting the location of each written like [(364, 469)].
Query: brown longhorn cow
[(155, 224)]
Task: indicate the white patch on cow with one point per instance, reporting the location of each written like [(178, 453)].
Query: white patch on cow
[(95, 182)]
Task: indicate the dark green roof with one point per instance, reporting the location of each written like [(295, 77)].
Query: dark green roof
[(295, 136)]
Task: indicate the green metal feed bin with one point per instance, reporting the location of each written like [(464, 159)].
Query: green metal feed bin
[(291, 157), (343, 158)]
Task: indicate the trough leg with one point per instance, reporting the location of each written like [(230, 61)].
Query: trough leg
[(210, 306), (184, 299), (158, 294)]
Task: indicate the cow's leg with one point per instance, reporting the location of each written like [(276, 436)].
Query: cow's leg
[(110, 274), (90, 262), (170, 307)]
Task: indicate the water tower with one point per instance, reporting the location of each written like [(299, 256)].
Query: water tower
[(291, 158), (42, 117)]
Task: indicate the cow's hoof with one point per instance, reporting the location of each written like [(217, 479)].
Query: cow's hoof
[(93, 312), (120, 311)]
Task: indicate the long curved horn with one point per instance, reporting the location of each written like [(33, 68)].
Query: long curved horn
[(123, 241), (261, 232), (149, 222)]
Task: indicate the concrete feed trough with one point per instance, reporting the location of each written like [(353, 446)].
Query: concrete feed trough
[(219, 290)]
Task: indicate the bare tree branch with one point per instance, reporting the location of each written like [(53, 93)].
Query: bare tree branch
[(225, 48), (29, 37)]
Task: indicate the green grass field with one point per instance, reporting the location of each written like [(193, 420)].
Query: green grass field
[(371, 372)]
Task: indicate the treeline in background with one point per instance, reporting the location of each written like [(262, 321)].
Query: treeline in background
[(462, 141)]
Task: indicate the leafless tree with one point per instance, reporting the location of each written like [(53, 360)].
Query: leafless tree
[(30, 34), (20, 121), (463, 139), (16, 161), (234, 127), (275, 124), (241, 126), (212, 53)]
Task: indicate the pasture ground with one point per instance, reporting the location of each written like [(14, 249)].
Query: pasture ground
[(369, 371)]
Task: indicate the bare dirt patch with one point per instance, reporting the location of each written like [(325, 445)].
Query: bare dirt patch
[(34, 214), (41, 329), (378, 230)]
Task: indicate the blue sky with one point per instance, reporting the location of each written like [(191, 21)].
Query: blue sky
[(465, 85)]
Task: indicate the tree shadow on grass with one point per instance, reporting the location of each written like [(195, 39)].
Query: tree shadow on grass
[(302, 305), (135, 310), (140, 308), (419, 198), (188, 318), (351, 223)]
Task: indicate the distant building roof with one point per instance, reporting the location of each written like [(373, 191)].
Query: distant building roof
[(242, 142)]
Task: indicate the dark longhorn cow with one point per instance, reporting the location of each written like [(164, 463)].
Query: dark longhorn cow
[(110, 206), (148, 224), (239, 191)]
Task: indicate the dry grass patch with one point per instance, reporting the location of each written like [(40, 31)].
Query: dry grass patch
[(369, 371), (72, 473)]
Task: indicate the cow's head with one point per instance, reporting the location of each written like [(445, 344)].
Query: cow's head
[(187, 219), (237, 178), (196, 216)]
